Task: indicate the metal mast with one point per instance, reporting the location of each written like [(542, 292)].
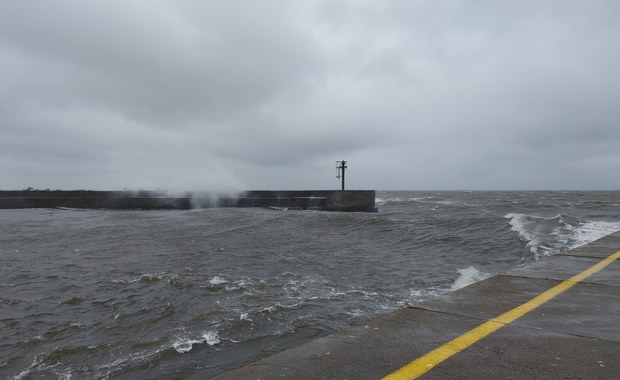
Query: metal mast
[(340, 168)]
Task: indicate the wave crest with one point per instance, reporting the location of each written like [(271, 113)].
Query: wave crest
[(546, 236), (184, 344), (468, 276)]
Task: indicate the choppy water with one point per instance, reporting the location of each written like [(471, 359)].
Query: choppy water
[(177, 294)]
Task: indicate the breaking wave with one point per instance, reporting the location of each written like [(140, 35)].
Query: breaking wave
[(546, 236), (468, 276)]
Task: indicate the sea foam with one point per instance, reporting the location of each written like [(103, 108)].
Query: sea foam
[(183, 345), (590, 231)]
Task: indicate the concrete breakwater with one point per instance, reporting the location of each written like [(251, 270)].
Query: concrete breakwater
[(324, 200)]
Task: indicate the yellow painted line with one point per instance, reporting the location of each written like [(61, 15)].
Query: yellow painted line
[(426, 362)]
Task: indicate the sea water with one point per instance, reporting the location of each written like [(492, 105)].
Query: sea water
[(176, 294)]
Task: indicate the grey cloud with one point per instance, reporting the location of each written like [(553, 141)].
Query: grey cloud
[(491, 94)]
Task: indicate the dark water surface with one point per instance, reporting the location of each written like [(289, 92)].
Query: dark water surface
[(176, 294)]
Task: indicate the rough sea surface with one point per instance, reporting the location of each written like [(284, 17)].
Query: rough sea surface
[(177, 294)]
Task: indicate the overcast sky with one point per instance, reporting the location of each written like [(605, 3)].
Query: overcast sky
[(225, 95)]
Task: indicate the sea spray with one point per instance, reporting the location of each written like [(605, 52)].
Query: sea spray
[(468, 276), (210, 199)]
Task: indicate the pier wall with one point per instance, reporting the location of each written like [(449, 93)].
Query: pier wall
[(324, 200)]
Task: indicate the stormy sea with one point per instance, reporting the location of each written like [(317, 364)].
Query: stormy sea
[(109, 294)]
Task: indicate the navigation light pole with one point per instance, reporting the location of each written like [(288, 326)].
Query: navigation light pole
[(340, 168)]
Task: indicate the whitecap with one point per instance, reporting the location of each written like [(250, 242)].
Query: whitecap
[(149, 277), (37, 338), (366, 294), (217, 280), (270, 309), (146, 277), (356, 313), (211, 337), (183, 345)]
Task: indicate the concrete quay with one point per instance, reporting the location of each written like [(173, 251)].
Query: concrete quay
[(554, 319), (321, 200)]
